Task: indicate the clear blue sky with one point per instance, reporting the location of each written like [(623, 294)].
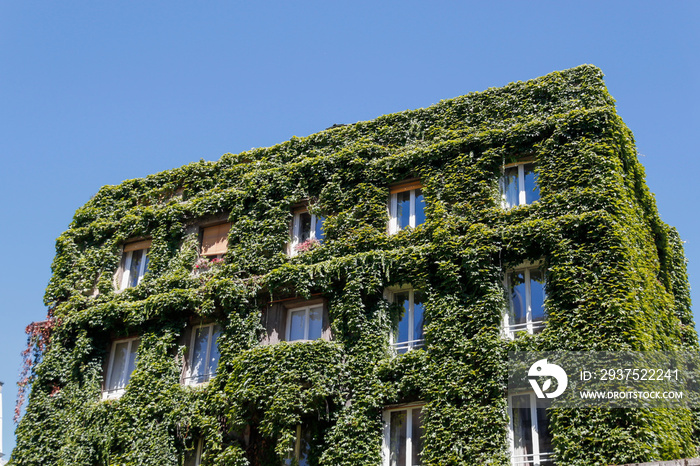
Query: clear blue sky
[(94, 92)]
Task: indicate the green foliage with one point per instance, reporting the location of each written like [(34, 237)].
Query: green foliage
[(616, 280)]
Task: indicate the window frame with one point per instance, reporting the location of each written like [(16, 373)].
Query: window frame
[(294, 454), (307, 309), (296, 229), (530, 325), (411, 343), (198, 450), (128, 254), (412, 186), (108, 394), (522, 192), (188, 379), (386, 434), (537, 458)]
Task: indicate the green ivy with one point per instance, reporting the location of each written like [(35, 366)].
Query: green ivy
[(616, 280)]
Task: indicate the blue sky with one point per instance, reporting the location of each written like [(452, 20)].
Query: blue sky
[(93, 93)]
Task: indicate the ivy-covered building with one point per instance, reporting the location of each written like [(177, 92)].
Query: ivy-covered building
[(349, 298)]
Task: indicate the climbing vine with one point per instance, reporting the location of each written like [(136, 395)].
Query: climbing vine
[(616, 279)]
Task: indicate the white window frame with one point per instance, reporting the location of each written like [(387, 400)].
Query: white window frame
[(393, 211), (205, 378), (537, 458), (307, 309), (522, 194), (411, 343), (118, 392), (126, 273), (530, 326), (386, 437), (296, 230)]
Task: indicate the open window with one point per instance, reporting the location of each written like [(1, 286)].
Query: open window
[(215, 241), (203, 355), (526, 291), (306, 231), (134, 264), (408, 334), (406, 205), (530, 439), (519, 185), (403, 436), (298, 454), (121, 363)]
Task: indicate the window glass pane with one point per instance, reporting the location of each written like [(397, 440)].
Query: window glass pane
[(315, 322), (136, 257), (403, 209), (145, 258), (532, 188), (416, 437), (537, 291), (132, 358), (522, 430), (509, 187), (518, 303), (397, 439), (296, 325), (214, 353), (545, 438), (199, 353), (417, 316), (402, 331), (420, 207), (120, 358), (304, 226), (319, 228)]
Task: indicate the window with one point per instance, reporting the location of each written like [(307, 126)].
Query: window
[(203, 354), (531, 441), (406, 206), (134, 263), (305, 323), (299, 454), (408, 334), (215, 240), (122, 361), (403, 436), (527, 293), (307, 231), (193, 457), (519, 185)]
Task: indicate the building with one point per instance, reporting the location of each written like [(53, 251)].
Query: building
[(348, 298)]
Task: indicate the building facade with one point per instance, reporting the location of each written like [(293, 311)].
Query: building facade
[(349, 298)]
